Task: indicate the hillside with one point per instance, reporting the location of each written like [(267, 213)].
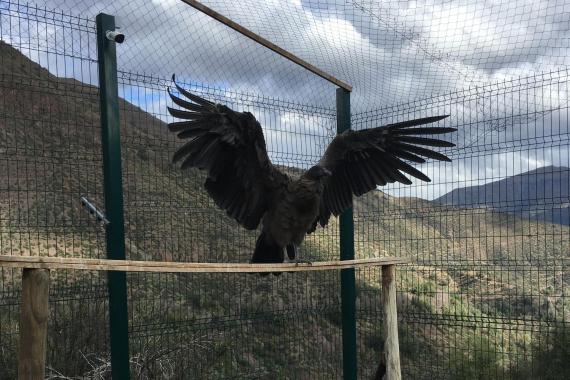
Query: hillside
[(541, 194), (470, 276)]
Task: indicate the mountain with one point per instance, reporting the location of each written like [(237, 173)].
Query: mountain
[(542, 194), (468, 281)]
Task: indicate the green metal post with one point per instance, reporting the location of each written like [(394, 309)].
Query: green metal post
[(113, 189), (347, 277)]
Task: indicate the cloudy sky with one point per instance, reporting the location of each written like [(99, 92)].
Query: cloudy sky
[(499, 68)]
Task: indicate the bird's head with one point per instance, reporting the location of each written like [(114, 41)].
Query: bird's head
[(318, 172)]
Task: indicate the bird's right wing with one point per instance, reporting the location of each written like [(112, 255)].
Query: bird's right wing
[(230, 146), (360, 161)]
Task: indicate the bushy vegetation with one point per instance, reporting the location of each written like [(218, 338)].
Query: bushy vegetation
[(549, 357)]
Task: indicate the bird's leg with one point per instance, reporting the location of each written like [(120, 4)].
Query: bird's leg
[(297, 258), (291, 253)]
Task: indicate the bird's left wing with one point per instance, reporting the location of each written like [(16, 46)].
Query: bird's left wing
[(360, 161), (230, 146)]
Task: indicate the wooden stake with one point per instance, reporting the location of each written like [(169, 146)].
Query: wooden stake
[(391, 345), (33, 324)]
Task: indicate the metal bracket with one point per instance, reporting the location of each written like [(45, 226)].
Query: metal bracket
[(93, 210)]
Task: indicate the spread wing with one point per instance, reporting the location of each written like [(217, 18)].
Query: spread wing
[(230, 146), (362, 160)]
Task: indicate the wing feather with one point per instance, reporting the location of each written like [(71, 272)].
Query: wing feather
[(402, 147), (360, 161), (230, 147), (407, 156), (189, 95), (426, 141), (424, 131), (186, 125), (185, 104)]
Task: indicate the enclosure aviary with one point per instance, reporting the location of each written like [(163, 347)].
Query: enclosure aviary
[(241, 179)]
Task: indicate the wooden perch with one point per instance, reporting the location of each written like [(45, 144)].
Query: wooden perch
[(35, 290), (178, 267)]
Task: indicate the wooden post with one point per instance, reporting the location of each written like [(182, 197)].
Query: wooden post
[(391, 345), (34, 313)]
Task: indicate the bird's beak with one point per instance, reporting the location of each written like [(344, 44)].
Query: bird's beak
[(326, 173)]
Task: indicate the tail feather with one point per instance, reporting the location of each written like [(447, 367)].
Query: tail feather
[(266, 251)]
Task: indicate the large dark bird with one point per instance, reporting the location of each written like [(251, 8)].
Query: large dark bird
[(230, 146)]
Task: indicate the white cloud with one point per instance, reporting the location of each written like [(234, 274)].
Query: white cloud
[(166, 4), (391, 52)]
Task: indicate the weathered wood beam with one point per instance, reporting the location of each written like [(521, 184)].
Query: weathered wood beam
[(390, 323), (34, 313), (268, 44), (178, 267)]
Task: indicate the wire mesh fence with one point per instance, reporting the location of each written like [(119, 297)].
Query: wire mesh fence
[(50, 156), (238, 326), (487, 293)]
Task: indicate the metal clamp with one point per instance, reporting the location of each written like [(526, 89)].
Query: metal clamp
[(92, 209)]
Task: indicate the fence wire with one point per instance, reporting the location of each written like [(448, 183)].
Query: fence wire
[(487, 293), (50, 155), (390, 51)]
